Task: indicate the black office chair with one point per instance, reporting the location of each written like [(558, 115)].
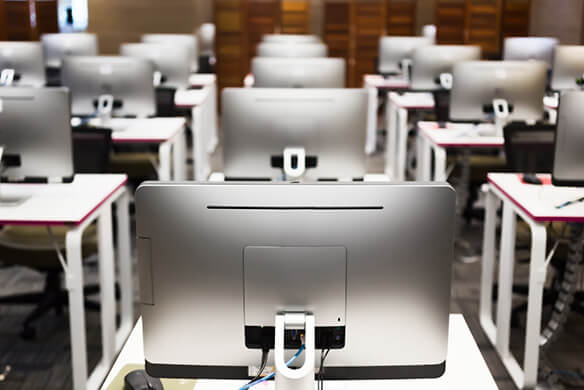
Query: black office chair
[(30, 246)]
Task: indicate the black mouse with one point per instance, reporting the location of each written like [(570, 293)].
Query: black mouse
[(139, 380), (530, 178)]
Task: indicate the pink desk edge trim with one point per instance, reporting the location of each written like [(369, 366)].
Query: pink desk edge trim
[(533, 217), (76, 223)]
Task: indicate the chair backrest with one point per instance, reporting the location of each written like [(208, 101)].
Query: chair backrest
[(91, 149), (529, 148)]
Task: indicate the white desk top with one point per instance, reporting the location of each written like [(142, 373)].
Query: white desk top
[(202, 79), (378, 81), (59, 204), (142, 130), (459, 135), (412, 100), (551, 102), (465, 367), (188, 98), (540, 201)]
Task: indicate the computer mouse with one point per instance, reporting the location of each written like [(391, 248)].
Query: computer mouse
[(532, 179), (140, 380)]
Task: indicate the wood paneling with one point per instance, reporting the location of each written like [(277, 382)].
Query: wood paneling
[(401, 17), (262, 18), (46, 16), (516, 18), (450, 16), (2, 22), (483, 25), (295, 16), (336, 31), (231, 43), (20, 15)]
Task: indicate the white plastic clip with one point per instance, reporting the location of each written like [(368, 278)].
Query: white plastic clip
[(446, 80), (303, 377), (294, 162), (105, 106), (7, 77)]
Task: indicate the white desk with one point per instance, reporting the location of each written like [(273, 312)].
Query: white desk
[(168, 133), (465, 367), (396, 116), (373, 83), (536, 206), (432, 138), (77, 205), (551, 105)]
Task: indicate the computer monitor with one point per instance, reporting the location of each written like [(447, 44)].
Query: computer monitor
[(22, 64), (61, 45), (290, 38), (35, 134), (486, 90), (273, 72), (530, 48), (568, 70), (219, 261), (315, 134), (568, 157), (308, 50), (172, 62), (206, 39), (432, 65), (128, 80), (395, 53), (188, 40)]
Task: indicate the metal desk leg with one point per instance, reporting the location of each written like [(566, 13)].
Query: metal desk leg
[(390, 140), (424, 156), (74, 283), (370, 144), (124, 257), (402, 143), (164, 166), (488, 267), (537, 274), (439, 163), (506, 265), (179, 157)]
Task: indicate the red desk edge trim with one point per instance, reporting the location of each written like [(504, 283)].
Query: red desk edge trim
[(537, 219), (60, 223)]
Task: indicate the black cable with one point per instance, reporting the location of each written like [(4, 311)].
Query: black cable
[(320, 375), (265, 353)]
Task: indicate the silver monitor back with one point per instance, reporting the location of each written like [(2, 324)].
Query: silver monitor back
[(217, 259), (477, 83), (61, 45), (393, 50), (273, 72), (35, 128), (429, 62), (206, 39), (290, 38), (277, 49), (568, 157), (172, 61), (259, 123), (568, 70), (127, 79), (188, 40), (27, 61), (530, 48)]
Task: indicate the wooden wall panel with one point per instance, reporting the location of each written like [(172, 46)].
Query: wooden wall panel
[(483, 25), (337, 34), (450, 16), (231, 45), (295, 16), (368, 23), (516, 18), (401, 17), (46, 16), (18, 18), (2, 22), (262, 18)]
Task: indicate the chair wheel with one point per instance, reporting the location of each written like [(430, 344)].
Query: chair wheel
[(28, 333)]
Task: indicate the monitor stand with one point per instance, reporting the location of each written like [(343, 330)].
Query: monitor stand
[(294, 162), (501, 110), (7, 77), (303, 377), (9, 200)]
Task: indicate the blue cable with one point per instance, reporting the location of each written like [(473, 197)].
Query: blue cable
[(268, 377)]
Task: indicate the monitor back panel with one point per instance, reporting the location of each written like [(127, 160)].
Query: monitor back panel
[(568, 70), (278, 49), (27, 61), (568, 156), (271, 72), (530, 48), (259, 123), (192, 247), (61, 45), (392, 50)]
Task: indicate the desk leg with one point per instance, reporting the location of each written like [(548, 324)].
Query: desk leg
[(371, 121), (390, 126), (424, 156), (506, 265), (164, 165), (537, 274), (106, 285), (179, 157), (74, 283), (199, 148), (125, 269), (439, 163), (488, 267), (402, 143)]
